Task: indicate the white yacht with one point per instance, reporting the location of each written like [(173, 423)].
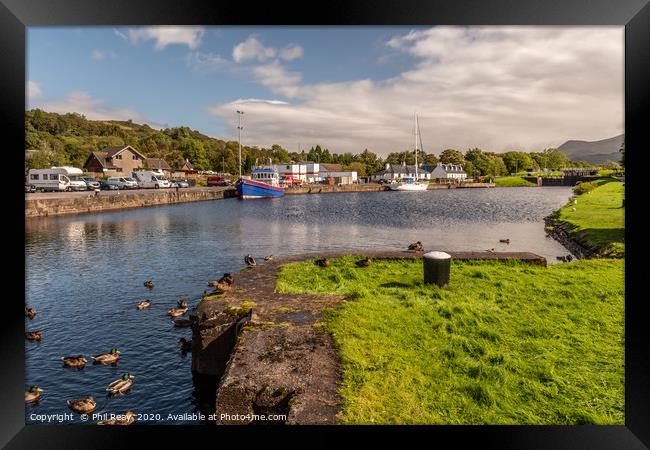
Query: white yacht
[(411, 183)]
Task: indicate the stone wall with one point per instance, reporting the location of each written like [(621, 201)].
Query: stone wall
[(44, 206)]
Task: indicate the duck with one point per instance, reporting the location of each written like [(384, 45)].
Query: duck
[(249, 260), (127, 419), (416, 246), (322, 262), (107, 358), (181, 322), (505, 241), (186, 345), (143, 304), (182, 304), (78, 362), (34, 335), (490, 250), (33, 394), (83, 406), (222, 287), (568, 258), (560, 258), (176, 312), (227, 278), (122, 385), (365, 262), (30, 313), (268, 258), (149, 284)]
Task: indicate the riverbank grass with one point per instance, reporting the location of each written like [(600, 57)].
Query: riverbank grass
[(599, 218), (512, 182), (504, 343)]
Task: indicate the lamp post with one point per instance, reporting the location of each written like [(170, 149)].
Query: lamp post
[(239, 128)]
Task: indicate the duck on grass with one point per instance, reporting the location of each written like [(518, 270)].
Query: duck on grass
[(505, 342)]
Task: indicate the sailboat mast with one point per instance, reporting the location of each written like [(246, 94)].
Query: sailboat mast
[(416, 147)]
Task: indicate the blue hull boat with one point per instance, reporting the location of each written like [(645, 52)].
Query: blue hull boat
[(255, 189)]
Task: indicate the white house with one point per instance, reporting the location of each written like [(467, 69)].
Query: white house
[(448, 172), (394, 172)]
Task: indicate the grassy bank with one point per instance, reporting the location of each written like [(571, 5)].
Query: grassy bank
[(512, 182), (598, 221), (504, 343)]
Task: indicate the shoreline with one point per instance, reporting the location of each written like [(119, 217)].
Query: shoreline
[(256, 349), (40, 205)]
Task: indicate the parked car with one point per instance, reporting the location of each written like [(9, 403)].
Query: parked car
[(30, 188), (91, 183), (80, 183), (123, 182), (106, 186), (218, 181), (180, 184)]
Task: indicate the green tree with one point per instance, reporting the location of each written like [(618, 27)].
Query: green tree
[(452, 156), (555, 159)]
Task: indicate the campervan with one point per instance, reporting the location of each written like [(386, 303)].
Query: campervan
[(55, 179), (151, 179)]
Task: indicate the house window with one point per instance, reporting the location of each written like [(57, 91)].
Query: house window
[(118, 169), (135, 157), (118, 157), (33, 177)]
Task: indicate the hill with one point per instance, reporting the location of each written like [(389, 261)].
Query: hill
[(594, 152)]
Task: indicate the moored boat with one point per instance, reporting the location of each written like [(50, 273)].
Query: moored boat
[(411, 183), (264, 183)]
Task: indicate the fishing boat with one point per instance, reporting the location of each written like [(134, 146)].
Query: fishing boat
[(411, 183), (264, 183)]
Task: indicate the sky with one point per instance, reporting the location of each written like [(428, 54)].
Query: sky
[(344, 88)]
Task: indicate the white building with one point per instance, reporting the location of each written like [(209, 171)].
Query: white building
[(395, 172), (448, 172), (306, 171)]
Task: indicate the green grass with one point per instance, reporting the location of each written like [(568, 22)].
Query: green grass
[(504, 343), (512, 182), (599, 219)]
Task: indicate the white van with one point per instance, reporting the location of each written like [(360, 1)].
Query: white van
[(55, 179), (151, 179), (122, 182)]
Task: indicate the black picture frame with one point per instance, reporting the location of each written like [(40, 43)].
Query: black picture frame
[(16, 15)]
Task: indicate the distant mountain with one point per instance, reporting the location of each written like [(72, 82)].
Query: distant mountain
[(595, 152)]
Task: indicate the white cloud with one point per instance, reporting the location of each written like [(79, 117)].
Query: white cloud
[(206, 61), (102, 54), (165, 35), (33, 90), (259, 100), (275, 77), (497, 88), (94, 109), (291, 52), (253, 50)]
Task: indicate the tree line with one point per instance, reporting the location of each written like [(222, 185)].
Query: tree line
[(68, 139)]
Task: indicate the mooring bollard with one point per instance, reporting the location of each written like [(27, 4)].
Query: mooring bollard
[(437, 266)]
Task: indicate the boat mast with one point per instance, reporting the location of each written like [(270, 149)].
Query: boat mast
[(239, 128), (416, 147)]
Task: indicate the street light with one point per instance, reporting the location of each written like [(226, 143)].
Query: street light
[(239, 128)]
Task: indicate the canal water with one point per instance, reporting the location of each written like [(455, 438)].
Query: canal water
[(85, 274)]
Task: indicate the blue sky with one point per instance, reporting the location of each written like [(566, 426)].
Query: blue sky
[(347, 88)]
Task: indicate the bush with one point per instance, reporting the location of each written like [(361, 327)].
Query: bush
[(583, 188)]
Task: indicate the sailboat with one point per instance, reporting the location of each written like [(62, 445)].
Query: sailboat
[(411, 183)]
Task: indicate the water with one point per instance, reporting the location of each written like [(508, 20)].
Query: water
[(85, 274)]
